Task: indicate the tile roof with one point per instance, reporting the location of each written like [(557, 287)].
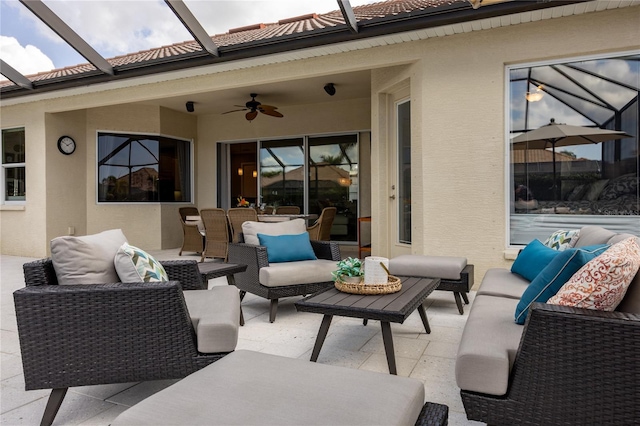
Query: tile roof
[(251, 34)]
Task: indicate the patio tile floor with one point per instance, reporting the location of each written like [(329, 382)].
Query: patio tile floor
[(426, 357)]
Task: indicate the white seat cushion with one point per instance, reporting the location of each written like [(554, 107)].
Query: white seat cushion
[(301, 272), (415, 265), (488, 346), (215, 315), (251, 388)]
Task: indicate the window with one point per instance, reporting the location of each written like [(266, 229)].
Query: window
[(555, 184), (13, 166), (143, 168), (403, 112)]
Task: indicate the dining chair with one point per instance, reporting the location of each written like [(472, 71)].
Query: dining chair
[(216, 233), (321, 229), (193, 239), (237, 216), (288, 210)]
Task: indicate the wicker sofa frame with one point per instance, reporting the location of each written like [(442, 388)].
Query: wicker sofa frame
[(573, 367), (78, 335), (255, 257)]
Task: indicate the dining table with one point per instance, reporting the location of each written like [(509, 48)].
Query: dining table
[(285, 217)]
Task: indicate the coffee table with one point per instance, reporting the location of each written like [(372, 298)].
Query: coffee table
[(386, 308)]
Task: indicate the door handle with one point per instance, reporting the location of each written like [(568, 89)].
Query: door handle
[(393, 197)]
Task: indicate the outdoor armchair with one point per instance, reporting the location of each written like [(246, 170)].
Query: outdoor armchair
[(273, 280), (193, 238), (321, 229), (91, 334), (216, 229)]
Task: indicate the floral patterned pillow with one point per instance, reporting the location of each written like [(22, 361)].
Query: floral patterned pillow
[(602, 283), (562, 240)]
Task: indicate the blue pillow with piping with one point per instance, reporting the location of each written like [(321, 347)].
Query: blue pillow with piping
[(533, 259), (555, 275), (287, 248)]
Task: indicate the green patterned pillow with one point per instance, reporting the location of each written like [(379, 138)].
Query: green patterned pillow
[(135, 265), (562, 240)]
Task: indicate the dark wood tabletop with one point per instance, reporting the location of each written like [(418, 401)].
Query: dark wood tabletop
[(210, 270), (386, 308)]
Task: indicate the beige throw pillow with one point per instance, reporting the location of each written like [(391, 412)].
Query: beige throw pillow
[(87, 259), (250, 229)]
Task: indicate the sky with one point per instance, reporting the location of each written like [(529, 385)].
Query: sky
[(117, 27)]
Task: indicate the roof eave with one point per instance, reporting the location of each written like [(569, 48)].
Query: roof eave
[(455, 13)]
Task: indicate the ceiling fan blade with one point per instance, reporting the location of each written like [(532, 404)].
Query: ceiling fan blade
[(272, 113), (251, 115), (235, 110), (271, 107)]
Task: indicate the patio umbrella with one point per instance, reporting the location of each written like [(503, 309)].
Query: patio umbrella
[(553, 135)]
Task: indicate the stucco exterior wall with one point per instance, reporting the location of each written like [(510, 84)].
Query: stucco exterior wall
[(23, 230)]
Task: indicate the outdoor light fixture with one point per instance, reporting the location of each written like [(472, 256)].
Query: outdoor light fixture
[(189, 106), (255, 173), (534, 96), (239, 171), (330, 89)]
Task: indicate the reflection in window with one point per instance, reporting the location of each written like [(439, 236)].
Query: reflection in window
[(282, 173), (595, 183), (13, 165), (143, 168), (333, 182)]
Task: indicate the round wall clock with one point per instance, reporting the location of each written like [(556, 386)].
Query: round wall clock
[(66, 145)]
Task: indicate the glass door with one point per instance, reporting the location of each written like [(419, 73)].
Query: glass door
[(333, 182), (282, 178)]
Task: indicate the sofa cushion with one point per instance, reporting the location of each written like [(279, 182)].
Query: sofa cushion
[(415, 265), (251, 229), (136, 265), (302, 272), (622, 185), (602, 283), (488, 346), (215, 315), (251, 388), (287, 248), (87, 259), (554, 276), (593, 234), (532, 259), (562, 240), (631, 301), (501, 282)]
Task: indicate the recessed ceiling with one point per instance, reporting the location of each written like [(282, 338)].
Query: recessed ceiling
[(355, 85)]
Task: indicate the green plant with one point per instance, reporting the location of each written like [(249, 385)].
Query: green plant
[(350, 267)]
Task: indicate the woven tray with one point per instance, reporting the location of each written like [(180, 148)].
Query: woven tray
[(392, 286)]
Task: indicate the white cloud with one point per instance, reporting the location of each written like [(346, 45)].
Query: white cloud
[(25, 59)]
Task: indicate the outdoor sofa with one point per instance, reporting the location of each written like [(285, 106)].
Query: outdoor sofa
[(566, 365)]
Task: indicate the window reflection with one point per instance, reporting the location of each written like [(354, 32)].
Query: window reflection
[(592, 179), (143, 168)]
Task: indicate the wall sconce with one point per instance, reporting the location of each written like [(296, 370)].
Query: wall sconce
[(535, 96), (330, 89), (239, 171), (255, 173)]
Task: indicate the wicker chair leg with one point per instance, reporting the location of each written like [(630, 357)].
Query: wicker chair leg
[(53, 405), (273, 310)]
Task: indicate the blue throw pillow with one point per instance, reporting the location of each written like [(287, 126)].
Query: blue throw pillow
[(287, 248), (554, 275), (533, 259)]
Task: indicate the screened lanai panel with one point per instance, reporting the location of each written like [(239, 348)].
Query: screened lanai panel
[(282, 172)]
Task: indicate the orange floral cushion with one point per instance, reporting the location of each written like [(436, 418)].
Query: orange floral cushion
[(602, 283)]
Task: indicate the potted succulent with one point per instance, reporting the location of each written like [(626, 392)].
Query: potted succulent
[(350, 270)]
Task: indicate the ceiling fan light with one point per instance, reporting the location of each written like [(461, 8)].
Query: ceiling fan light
[(535, 96)]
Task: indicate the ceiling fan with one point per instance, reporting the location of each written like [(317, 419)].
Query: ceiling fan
[(254, 106)]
